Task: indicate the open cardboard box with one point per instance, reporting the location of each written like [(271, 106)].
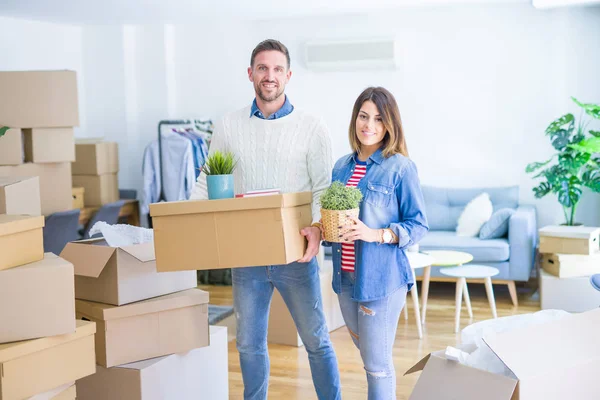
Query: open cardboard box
[(121, 275), (169, 324), (550, 361), (241, 232)]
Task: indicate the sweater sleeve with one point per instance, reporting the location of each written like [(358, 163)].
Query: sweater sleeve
[(320, 163), (200, 189)]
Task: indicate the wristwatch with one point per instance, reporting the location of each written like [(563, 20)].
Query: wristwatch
[(387, 236)]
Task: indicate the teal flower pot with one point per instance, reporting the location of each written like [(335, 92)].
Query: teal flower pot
[(220, 187)]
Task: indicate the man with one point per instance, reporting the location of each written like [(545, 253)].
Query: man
[(278, 146)]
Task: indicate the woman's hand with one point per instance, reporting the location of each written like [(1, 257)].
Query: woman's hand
[(359, 231)]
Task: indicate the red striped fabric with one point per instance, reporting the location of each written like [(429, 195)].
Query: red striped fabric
[(348, 256)]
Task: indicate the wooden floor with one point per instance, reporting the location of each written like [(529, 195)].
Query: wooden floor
[(290, 372)]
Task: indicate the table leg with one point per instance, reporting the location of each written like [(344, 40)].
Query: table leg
[(406, 312), (415, 297), (467, 299), (458, 303), (490, 294), (425, 291)]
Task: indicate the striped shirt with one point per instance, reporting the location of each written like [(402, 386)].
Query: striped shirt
[(348, 256)]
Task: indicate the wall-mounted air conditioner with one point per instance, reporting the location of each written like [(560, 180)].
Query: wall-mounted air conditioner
[(329, 55)]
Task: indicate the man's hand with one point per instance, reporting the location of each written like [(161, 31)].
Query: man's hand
[(313, 235), (359, 231)]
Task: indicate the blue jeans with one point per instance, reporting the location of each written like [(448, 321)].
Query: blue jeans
[(300, 288), (372, 326)]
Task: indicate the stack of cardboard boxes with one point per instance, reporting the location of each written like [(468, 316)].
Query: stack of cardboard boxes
[(95, 170), (569, 256), (41, 109), (43, 349), (153, 333)]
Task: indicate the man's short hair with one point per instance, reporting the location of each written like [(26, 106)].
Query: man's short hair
[(270, 44)]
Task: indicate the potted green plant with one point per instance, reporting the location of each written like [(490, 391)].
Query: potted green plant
[(219, 167), (337, 202), (577, 162)]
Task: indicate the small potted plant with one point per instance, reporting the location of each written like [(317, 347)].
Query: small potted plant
[(219, 167), (337, 203)]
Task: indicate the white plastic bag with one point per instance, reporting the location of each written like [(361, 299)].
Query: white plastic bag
[(122, 235)]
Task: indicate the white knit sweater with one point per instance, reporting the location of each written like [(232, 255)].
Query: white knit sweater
[(292, 153)]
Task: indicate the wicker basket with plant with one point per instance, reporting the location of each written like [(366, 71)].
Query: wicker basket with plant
[(337, 203)]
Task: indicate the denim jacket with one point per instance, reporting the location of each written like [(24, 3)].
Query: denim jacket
[(392, 198)]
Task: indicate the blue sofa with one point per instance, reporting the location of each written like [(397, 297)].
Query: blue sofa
[(513, 255)]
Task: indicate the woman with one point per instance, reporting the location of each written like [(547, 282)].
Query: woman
[(371, 272)]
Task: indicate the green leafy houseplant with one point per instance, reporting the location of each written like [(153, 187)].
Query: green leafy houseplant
[(577, 161), (340, 197), (3, 130), (338, 202), (219, 163)]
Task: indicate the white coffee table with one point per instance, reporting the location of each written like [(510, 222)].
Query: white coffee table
[(443, 258), (417, 260), (471, 271)]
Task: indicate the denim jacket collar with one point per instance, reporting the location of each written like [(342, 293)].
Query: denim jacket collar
[(376, 157)]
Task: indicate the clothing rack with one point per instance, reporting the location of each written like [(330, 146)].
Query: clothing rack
[(174, 122)]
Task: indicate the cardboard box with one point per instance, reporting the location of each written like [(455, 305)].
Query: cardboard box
[(195, 375), (200, 235), (39, 99), (570, 294), (170, 324), (12, 150), (282, 329), (64, 392), (551, 361), (49, 145), (21, 240), (569, 240), (37, 300), (20, 196), (55, 183), (570, 265), (121, 275), (36, 366), (78, 197), (95, 157), (99, 189)]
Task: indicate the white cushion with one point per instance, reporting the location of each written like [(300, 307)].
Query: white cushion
[(476, 213)]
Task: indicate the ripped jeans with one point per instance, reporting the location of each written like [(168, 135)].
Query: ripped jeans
[(372, 326), (299, 286)]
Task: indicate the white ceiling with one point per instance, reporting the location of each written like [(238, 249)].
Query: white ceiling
[(173, 11)]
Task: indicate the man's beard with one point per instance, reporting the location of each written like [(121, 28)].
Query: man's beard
[(265, 98)]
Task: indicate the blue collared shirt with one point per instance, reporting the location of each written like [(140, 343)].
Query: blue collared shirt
[(285, 109), (392, 198)]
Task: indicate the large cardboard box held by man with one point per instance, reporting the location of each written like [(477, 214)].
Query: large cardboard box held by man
[(55, 183), (20, 196), (121, 275), (199, 374), (555, 360), (35, 366), (241, 232), (170, 324), (37, 300), (39, 99), (21, 240)]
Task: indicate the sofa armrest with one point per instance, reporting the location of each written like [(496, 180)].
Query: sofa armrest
[(522, 239)]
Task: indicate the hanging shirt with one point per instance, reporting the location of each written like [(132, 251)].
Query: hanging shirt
[(178, 176), (348, 256)]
